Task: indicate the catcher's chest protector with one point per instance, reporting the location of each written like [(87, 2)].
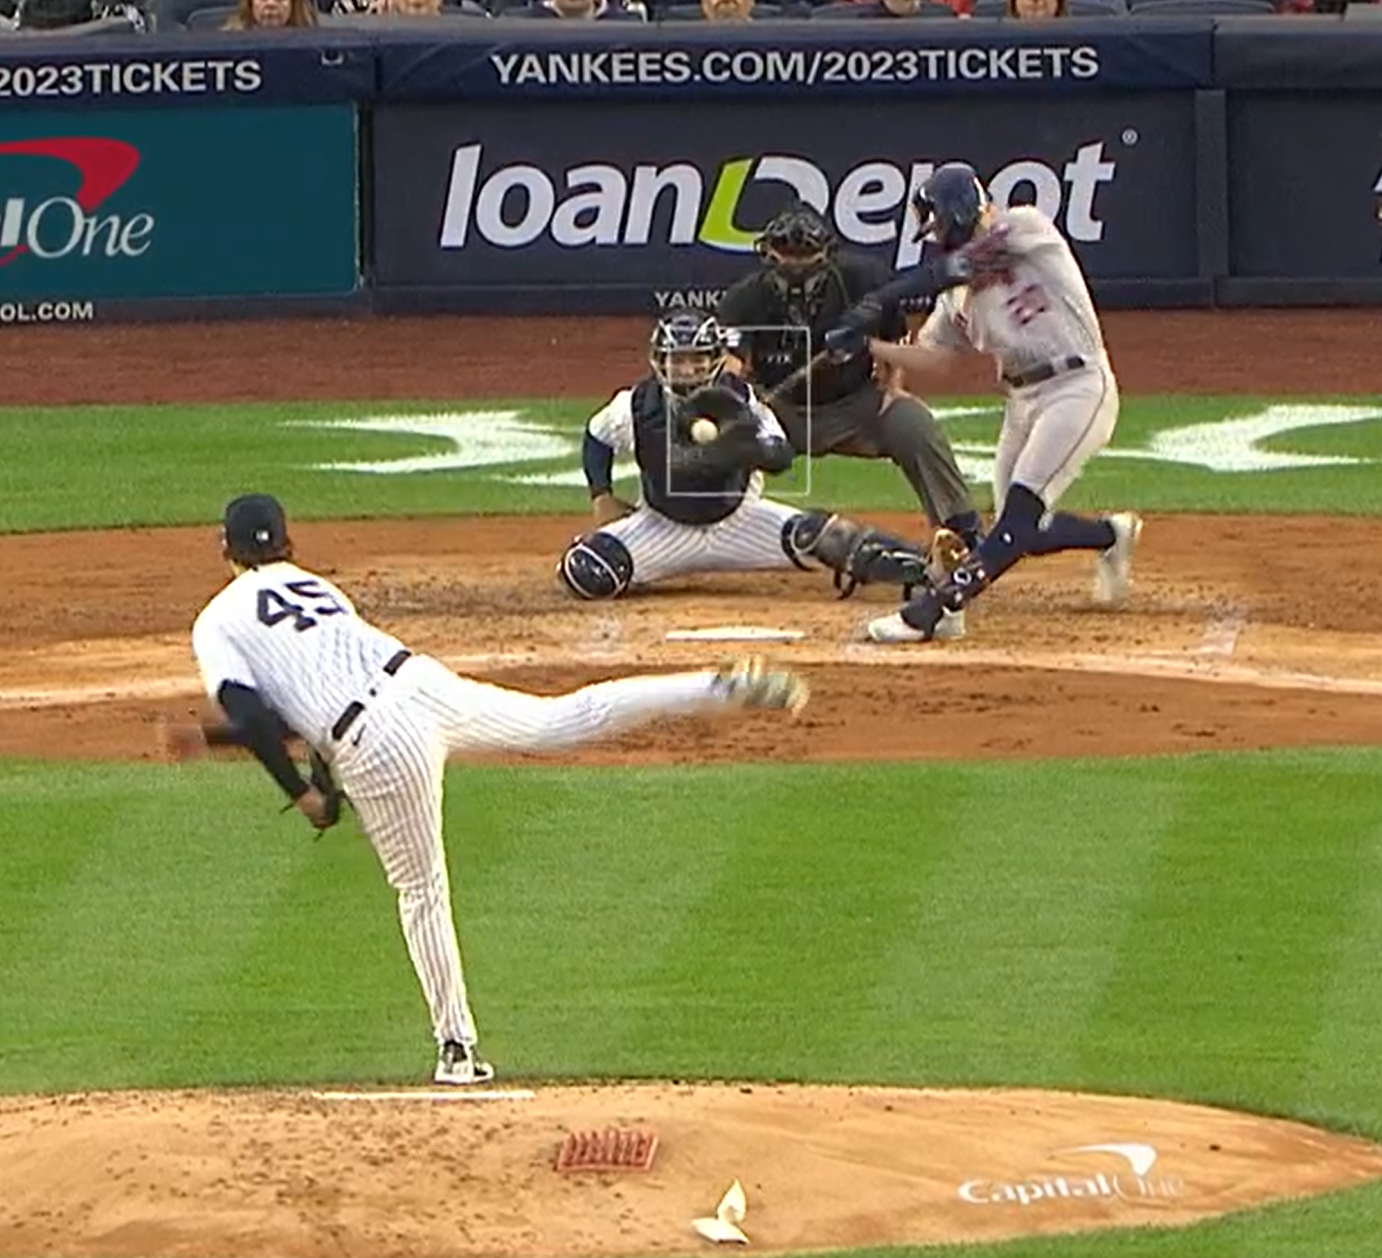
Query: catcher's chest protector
[(703, 497)]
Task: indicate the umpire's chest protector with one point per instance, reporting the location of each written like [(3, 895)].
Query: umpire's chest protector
[(703, 497)]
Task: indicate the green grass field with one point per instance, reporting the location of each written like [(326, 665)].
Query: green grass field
[(1200, 927)]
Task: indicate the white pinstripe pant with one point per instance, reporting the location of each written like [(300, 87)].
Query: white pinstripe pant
[(750, 538), (391, 765)]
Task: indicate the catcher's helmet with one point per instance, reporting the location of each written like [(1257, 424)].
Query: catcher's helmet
[(687, 351), (797, 245), (949, 205)]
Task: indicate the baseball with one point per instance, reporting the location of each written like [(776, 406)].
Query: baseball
[(703, 430)]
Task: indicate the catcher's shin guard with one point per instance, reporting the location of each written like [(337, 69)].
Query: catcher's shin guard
[(856, 554)]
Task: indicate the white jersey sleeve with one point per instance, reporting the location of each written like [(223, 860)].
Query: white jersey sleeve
[(296, 640), (612, 424), (219, 658)]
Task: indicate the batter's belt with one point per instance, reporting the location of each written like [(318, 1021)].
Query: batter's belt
[(352, 710), (1047, 371)]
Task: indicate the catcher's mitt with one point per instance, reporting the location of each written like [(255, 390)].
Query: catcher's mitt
[(320, 775), (736, 445)]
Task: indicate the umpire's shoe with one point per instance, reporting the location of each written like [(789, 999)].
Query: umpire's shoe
[(753, 684), (460, 1065)]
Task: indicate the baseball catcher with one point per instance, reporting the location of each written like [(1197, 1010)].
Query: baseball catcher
[(703, 441)]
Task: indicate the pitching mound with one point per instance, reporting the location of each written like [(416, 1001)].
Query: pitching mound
[(410, 1175)]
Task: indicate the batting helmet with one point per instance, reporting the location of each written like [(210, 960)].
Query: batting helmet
[(596, 566), (687, 351), (949, 205)]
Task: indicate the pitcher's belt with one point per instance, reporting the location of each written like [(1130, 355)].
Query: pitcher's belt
[(354, 708), (1047, 371)]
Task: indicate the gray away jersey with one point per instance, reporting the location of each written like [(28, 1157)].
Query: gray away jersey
[(296, 639), (1043, 312)]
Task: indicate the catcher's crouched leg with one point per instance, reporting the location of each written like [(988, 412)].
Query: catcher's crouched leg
[(596, 566), (858, 555)]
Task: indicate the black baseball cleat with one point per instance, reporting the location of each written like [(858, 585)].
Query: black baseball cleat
[(461, 1065)]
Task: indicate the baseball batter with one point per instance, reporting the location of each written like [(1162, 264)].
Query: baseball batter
[(702, 440), (1010, 286), (281, 649)]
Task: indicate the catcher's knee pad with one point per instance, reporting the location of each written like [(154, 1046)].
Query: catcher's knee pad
[(857, 555), (597, 566)]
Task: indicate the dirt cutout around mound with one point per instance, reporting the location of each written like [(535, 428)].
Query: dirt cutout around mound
[(298, 1175)]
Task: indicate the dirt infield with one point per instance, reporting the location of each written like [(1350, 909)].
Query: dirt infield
[(1230, 641)]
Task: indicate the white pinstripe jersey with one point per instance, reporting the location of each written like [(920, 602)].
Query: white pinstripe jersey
[(612, 425), (1042, 312), (296, 639)]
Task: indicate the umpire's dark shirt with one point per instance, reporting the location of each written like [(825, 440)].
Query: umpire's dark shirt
[(687, 497), (773, 356)]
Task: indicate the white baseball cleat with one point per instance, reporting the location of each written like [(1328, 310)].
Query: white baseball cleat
[(1113, 568), (753, 684), (461, 1066), (893, 629)]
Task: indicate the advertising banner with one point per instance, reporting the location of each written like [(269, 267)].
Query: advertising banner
[(1305, 183), (783, 60), (662, 204), (149, 72), (209, 202)]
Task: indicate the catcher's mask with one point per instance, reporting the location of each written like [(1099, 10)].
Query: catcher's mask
[(798, 248), (255, 530), (950, 204), (687, 351)]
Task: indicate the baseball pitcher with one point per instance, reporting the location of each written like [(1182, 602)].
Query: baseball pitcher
[(702, 440), (1010, 286), (280, 649)]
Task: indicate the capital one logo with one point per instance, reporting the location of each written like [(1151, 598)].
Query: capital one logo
[(51, 227), (602, 204), (1132, 1180)]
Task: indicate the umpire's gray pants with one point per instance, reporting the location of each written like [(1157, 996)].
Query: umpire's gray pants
[(906, 432)]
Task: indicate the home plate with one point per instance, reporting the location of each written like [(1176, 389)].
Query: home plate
[(734, 633), (423, 1094)]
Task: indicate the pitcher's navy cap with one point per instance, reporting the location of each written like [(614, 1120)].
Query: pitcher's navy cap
[(255, 524)]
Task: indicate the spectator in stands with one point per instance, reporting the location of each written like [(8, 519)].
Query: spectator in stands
[(1036, 8), (875, 8), (580, 11), (262, 14), (405, 8), (725, 11)]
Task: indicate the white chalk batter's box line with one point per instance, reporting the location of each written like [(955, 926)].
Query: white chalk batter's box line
[(1187, 668)]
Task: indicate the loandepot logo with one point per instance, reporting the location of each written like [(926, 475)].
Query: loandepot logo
[(504, 438), (52, 227), (676, 203), (1131, 1181)]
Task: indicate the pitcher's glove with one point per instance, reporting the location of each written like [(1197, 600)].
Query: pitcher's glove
[(324, 783), (736, 445)]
